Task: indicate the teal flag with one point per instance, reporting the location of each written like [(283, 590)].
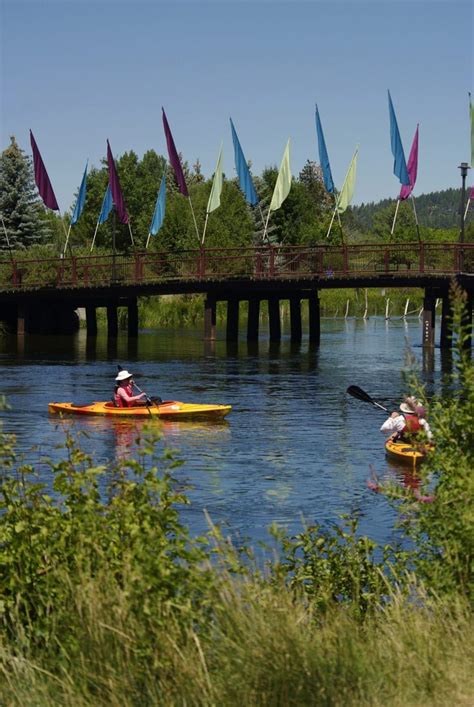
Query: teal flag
[(107, 205), (399, 165), (81, 198), (160, 207)]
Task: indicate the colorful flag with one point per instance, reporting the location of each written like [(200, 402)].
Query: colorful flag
[(399, 165), (412, 167), (107, 204), (323, 156), (41, 178), (160, 207), (215, 196), (242, 169), (81, 198), (174, 157), (471, 112), (115, 188), (283, 182), (347, 191)]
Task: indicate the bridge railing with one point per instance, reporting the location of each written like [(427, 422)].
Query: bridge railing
[(230, 263)]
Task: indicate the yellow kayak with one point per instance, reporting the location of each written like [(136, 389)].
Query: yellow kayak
[(404, 452), (171, 409)]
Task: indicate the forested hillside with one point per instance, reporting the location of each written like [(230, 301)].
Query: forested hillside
[(438, 209)]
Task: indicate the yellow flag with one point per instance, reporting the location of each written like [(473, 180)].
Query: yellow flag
[(283, 182), (215, 195), (347, 191)]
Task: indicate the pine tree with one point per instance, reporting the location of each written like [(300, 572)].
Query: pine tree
[(21, 210)]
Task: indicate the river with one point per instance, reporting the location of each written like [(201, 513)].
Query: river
[(295, 448)]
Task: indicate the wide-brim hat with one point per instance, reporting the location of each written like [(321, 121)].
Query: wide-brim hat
[(123, 375), (410, 406)]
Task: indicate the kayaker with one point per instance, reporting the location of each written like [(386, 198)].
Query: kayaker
[(123, 393), (408, 422)]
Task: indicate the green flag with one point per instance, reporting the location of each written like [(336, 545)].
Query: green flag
[(347, 190), (215, 195), (471, 111), (283, 182)]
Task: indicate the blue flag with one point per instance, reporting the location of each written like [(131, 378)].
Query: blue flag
[(323, 156), (81, 197), (107, 205), (399, 165), (160, 207), (242, 169)]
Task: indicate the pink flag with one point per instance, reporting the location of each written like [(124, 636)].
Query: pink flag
[(412, 168), (115, 188), (41, 178)]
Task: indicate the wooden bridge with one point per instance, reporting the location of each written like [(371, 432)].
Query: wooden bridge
[(272, 273)]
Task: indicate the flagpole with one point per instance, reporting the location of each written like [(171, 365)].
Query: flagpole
[(339, 219), (194, 218), (266, 225), (395, 217), (95, 233), (6, 237), (205, 227), (332, 221), (67, 238), (130, 229), (147, 241), (416, 218), (467, 208)]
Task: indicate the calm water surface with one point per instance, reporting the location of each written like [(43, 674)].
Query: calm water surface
[(295, 445)]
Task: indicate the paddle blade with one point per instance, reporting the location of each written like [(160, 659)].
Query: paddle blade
[(360, 394)]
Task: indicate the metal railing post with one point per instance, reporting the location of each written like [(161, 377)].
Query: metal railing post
[(271, 266), (422, 257)]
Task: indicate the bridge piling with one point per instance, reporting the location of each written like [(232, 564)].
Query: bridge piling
[(91, 320), (295, 318), (232, 332), (253, 319), (429, 302), (209, 319), (112, 321), (314, 318), (446, 333), (274, 318)]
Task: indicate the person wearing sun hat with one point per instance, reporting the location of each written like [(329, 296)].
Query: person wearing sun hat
[(409, 421), (123, 393)]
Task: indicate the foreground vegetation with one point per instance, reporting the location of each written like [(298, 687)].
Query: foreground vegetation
[(105, 598)]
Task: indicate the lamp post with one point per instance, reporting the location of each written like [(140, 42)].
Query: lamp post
[(463, 167)]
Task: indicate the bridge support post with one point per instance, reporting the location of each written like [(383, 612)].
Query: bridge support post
[(210, 319), (112, 321), (446, 333), (232, 332), (91, 320), (132, 319), (429, 303), (295, 318), (21, 320), (274, 318), (253, 319), (314, 318)]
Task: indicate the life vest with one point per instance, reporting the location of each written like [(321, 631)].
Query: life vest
[(118, 400), (412, 424)]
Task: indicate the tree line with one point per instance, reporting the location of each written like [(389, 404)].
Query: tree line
[(303, 218)]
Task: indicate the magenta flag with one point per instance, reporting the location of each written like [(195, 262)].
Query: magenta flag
[(412, 169), (115, 188), (174, 158), (41, 178), (471, 195)]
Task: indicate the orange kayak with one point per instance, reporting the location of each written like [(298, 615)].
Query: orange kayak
[(171, 409)]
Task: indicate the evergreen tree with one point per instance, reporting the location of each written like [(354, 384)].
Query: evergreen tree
[(22, 212)]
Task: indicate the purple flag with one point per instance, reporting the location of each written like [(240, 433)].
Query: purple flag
[(174, 158), (471, 195), (41, 178), (412, 169), (115, 188)]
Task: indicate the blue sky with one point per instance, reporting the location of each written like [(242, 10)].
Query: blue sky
[(79, 72)]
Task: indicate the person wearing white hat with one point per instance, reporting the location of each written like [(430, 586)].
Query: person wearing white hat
[(123, 393), (407, 422)]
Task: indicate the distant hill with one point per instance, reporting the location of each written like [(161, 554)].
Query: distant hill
[(439, 209)]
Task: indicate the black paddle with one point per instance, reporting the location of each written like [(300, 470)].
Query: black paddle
[(360, 394)]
